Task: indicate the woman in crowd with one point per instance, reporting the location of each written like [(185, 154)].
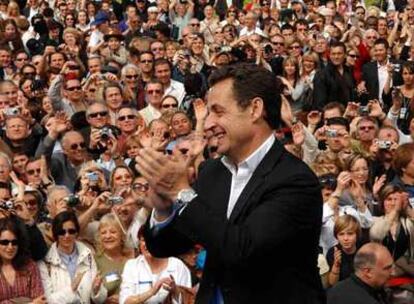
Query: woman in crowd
[(159, 277), (341, 256), (290, 75), (121, 177), (69, 273), (19, 275), (112, 255), (395, 229), (168, 104)]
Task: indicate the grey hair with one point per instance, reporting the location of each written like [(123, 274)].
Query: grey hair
[(52, 190), (93, 103), (128, 67), (7, 158)]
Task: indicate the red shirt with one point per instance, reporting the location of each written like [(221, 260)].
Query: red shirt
[(27, 283)]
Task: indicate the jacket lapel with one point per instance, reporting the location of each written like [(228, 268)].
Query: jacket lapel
[(257, 179)]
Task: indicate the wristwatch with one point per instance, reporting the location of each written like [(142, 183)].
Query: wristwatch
[(184, 197)]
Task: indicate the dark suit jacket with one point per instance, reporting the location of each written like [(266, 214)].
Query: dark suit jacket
[(267, 251), (370, 76)]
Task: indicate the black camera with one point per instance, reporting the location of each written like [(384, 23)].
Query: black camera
[(7, 205), (72, 201), (268, 50)]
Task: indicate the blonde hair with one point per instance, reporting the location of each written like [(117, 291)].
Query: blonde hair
[(347, 222), (110, 219)]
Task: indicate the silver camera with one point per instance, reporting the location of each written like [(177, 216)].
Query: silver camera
[(115, 200), (384, 144)]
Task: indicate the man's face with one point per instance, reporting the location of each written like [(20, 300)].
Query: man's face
[(158, 49), (370, 38), (287, 34), (331, 113), (366, 131), (94, 65), (278, 45), (74, 148), (231, 125), (163, 73), (381, 272), (337, 56), (16, 129), (320, 45), (127, 120), (380, 52), (153, 94), (19, 163), (21, 59), (113, 98), (73, 90), (126, 211), (360, 13), (5, 58), (146, 63), (33, 172), (11, 91), (338, 142), (57, 60), (97, 116), (250, 21), (4, 102), (180, 124)]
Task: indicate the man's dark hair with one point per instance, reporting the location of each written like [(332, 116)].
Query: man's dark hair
[(250, 81), (383, 42), (111, 85), (334, 105), (287, 26), (162, 61), (340, 44), (145, 53), (338, 121), (60, 219)]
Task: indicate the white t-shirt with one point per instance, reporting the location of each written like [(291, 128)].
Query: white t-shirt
[(138, 278)]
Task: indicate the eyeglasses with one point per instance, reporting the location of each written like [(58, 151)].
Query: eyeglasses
[(194, 24), (150, 92), (168, 106), (8, 242), (63, 232), (367, 128), (131, 76), (75, 146), (140, 187), (95, 115), (78, 88), (130, 117), (92, 90), (277, 43), (33, 171), (147, 61), (371, 37), (353, 56)]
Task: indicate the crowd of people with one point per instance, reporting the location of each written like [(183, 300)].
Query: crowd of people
[(86, 85)]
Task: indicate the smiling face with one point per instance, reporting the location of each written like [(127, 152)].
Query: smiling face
[(359, 171), (122, 178), (67, 236), (9, 251), (110, 237)]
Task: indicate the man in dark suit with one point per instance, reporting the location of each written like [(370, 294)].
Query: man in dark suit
[(375, 74), (373, 265), (257, 210)]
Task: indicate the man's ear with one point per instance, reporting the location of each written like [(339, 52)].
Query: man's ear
[(257, 110)]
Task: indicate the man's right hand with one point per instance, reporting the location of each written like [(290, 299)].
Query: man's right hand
[(57, 125)]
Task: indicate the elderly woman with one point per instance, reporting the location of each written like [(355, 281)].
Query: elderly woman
[(20, 277), (112, 255), (69, 273), (158, 278)]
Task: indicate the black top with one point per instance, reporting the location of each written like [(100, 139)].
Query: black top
[(398, 247), (347, 262)]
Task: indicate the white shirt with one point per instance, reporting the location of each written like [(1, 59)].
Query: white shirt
[(382, 79), (149, 113), (245, 32), (138, 278), (96, 38), (176, 89), (244, 171)]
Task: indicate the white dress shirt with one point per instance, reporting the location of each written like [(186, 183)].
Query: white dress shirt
[(176, 89), (242, 173), (382, 78)]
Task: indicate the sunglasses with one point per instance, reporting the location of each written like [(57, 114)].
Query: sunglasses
[(366, 128), (92, 90), (140, 187), (131, 76), (130, 117), (153, 92), (8, 242), (168, 106), (353, 56), (31, 203), (277, 43), (78, 88), (33, 171), (101, 114), (195, 24), (63, 232), (29, 74), (75, 146), (146, 61)]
